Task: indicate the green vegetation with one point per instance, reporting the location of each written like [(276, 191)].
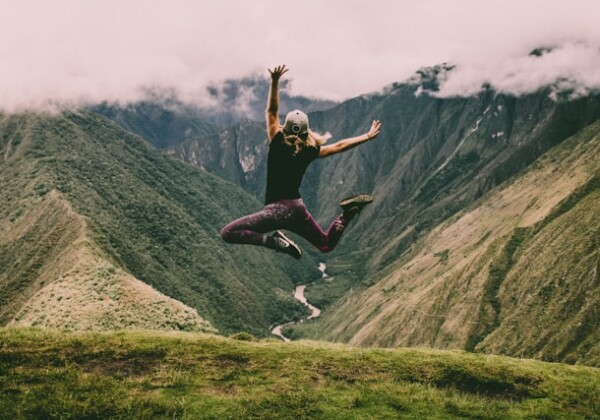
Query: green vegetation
[(521, 275), (325, 292), (593, 185), (49, 374), (560, 261), (443, 256), (150, 215), (489, 311), (439, 182)]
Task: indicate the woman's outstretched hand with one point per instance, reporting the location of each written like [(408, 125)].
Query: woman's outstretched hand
[(277, 72), (347, 144), (375, 129)]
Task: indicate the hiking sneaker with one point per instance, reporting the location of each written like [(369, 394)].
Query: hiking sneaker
[(286, 245), (355, 203)]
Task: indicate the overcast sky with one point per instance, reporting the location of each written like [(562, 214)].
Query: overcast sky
[(94, 50)]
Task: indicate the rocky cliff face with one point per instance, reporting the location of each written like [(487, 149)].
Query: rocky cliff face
[(237, 154)]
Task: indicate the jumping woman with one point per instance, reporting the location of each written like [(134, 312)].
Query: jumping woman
[(292, 147)]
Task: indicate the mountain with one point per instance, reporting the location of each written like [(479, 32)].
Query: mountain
[(237, 154), (162, 121), (165, 121), (235, 100), (434, 157), (514, 273), (438, 160), (100, 230)]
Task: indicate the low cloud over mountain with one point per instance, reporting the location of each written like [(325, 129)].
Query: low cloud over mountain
[(572, 69)]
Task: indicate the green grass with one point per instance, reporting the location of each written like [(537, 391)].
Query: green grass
[(51, 374)]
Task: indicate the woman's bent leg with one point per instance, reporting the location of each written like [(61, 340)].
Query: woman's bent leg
[(291, 215), (252, 229), (308, 228)]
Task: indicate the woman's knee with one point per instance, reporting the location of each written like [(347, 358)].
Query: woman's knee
[(226, 234), (326, 248)]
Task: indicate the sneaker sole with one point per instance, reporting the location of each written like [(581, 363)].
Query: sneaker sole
[(356, 199), (292, 243)]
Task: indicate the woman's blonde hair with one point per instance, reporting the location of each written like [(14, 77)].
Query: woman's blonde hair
[(313, 139)]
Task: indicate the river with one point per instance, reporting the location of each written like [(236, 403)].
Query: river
[(299, 295)]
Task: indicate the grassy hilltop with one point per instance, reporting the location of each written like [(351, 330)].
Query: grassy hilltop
[(47, 374)]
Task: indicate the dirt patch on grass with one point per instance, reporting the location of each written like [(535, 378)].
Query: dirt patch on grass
[(230, 360), (513, 388), (124, 365)]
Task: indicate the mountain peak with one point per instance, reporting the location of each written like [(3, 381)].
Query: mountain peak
[(427, 79), (541, 51)]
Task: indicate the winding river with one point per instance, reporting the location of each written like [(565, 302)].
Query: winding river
[(299, 295)]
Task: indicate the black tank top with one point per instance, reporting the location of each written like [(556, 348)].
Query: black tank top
[(285, 169)]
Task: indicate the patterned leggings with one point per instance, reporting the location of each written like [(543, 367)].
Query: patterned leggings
[(290, 215)]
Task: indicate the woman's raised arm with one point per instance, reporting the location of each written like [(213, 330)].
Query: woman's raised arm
[(351, 142), (273, 101)]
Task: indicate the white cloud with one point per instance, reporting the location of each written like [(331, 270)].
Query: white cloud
[(572, 67), (94, 50)]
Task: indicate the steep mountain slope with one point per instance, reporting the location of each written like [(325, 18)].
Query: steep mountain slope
[(162, 122), (237, 154), (433, 158), (89, 210), (53, 276), (515, 273)]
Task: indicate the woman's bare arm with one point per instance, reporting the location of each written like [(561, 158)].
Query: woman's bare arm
[(349, 143), (273, 124)]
